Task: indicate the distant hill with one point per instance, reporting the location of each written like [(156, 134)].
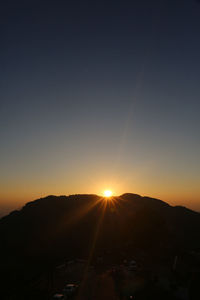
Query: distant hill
[(54, 228), (53, 220), (46, 223)]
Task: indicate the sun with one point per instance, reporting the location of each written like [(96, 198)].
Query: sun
[(107, 193)]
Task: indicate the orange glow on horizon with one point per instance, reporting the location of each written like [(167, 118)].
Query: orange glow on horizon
[(107, 193)]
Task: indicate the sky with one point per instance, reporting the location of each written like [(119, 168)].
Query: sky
[(100, 95)]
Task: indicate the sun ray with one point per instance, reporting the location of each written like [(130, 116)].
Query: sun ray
[(103, 206), (67, 221)]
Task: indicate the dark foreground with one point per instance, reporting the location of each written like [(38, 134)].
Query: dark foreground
[(140, 279), (132, 247)]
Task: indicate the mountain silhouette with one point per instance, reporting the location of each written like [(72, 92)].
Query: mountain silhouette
[(55, 222), (56, 228)]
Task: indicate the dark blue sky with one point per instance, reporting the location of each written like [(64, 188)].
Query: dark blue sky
[(100, 95)]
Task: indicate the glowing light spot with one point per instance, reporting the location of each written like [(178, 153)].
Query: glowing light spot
[(107, 193)]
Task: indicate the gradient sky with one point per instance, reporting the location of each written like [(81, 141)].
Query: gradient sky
[(98, 95)]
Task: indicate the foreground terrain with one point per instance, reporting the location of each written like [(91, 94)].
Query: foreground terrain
[(106, 234)]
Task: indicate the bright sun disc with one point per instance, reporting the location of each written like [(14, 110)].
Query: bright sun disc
[(107, 193)]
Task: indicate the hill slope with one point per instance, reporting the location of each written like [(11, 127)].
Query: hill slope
[(70, 222), (54, 228)]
